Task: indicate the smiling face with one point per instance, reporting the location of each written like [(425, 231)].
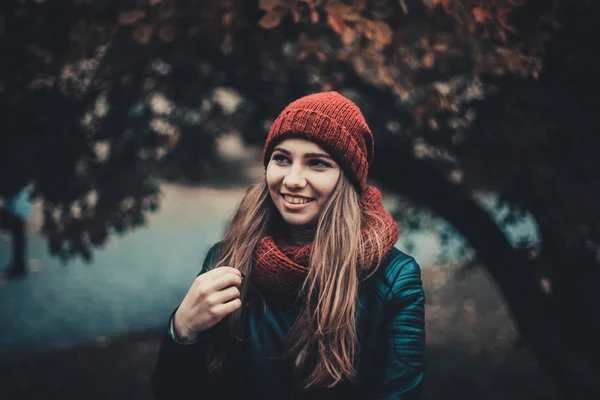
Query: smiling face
[(301, 177)]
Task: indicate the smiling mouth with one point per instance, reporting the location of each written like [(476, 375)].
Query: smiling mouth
[(296, 200)]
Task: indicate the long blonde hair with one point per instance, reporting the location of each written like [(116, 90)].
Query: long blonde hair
[(330, 292)]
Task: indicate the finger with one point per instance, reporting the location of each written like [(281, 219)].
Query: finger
[(217, 272), (225, 295), (228, 308), (226, 280)]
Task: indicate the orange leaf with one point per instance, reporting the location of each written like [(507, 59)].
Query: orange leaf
[(351, 15), (368, 29), (431, 4), (335, 7), (314, 17), (441, 47), (336, 22), (131, 17), (348, 36), (270, 20), (481, 14), (383, 32), (384, 76), (428, 60)]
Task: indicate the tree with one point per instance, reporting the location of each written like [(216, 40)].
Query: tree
[(463, 96)]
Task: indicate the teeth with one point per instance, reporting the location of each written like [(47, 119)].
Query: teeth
[(296, 200)]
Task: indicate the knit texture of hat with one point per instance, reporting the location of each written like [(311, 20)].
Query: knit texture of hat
[(335, 123)]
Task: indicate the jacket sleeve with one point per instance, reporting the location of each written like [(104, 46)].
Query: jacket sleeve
[(405, 360), (180, 368)]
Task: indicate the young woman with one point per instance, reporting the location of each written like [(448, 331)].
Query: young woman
[(306, 295)]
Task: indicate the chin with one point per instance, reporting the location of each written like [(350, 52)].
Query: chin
[(297, 221)]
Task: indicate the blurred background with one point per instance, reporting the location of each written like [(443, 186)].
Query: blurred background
[(129, 130)]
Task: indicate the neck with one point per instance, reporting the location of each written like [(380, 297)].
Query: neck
[(302, 235)]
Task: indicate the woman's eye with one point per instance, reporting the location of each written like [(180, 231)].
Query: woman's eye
[(320, 164), (278, 158)]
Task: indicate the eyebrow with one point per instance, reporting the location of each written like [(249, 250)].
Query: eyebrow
[(306, 155)]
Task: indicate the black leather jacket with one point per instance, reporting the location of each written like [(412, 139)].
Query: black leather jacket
[(390, 327)]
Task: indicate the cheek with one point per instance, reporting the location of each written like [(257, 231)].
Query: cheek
[(274, 179), (271, 176), (327, 185)]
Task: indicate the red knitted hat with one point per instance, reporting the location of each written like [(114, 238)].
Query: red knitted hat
[(335, 123)]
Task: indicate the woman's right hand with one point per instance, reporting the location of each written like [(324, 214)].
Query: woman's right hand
[(212, 296)]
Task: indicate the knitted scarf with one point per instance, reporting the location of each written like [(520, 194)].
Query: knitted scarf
[(282, 268)]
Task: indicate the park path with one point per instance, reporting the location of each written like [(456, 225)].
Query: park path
[(132, 284)]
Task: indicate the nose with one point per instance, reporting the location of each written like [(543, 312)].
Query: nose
[(294, 179)]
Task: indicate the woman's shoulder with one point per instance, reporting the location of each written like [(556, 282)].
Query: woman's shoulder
[(210, 257), (215, 248), (399, 271)]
